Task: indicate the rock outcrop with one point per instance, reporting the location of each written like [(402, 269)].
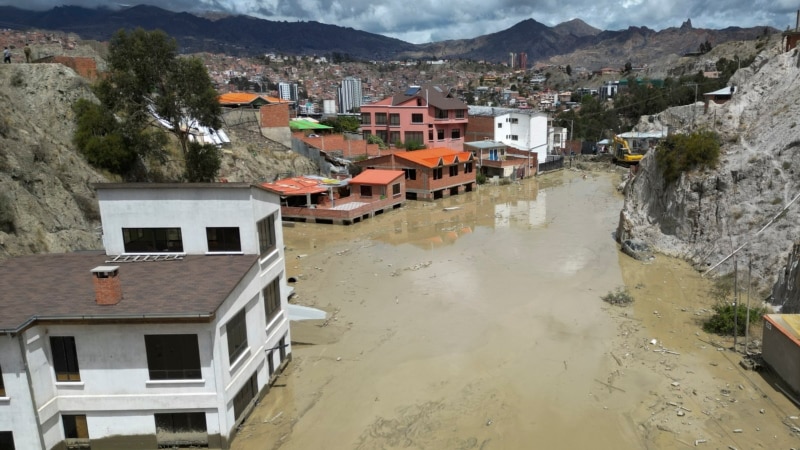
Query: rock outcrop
[(707, 215)]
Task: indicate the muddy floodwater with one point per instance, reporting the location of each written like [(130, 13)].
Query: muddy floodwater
[(475, 322)]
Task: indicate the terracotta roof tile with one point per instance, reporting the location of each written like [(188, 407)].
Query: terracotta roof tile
[(376, 176)]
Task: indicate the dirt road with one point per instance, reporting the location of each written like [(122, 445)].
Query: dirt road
[(481, 326)]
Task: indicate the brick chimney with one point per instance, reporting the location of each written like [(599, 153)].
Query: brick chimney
[(107, 287)]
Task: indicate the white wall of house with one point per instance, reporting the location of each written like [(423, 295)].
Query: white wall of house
[(192, 210), (16, 408), (523, 131)]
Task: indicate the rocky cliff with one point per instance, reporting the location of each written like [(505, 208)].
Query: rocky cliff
[(744, 202), (47, 199)]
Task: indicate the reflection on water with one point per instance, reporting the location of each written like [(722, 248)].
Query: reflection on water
[(429, 225)]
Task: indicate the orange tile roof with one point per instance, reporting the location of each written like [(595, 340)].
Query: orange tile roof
[(434, 157), (376, 176), (295, 186), (237, 97)]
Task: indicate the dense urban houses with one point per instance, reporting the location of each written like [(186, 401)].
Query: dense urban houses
[(349, 95), (166, 339), (429, 115), (430, 174)]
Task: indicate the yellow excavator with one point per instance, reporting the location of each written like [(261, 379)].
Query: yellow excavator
[(623, 154)]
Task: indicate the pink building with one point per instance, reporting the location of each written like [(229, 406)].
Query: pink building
[(428, 115)]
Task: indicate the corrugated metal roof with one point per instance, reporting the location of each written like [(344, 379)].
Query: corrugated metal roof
[(485, 144), (376, 176), (302, 124), (730, 90)]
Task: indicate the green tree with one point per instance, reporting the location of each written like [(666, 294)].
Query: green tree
[(202, 162), (679, 153), (146, 76), (569, 70), (342, 124)]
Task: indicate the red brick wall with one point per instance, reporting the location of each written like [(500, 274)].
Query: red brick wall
[(108, 291), (480, 128), (85, 67), (275, 115)]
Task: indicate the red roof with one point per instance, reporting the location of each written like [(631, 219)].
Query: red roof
[(376, 176), (295, 186), (239, 98), (435, 157)]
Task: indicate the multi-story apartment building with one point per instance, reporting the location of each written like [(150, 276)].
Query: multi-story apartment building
[(287, 91), (349, 95), (166, 339), (428, 114), (524, 130)]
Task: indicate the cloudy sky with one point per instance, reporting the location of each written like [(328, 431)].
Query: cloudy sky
[(420, 21)]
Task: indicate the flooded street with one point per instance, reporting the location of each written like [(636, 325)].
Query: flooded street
[(475, 322)]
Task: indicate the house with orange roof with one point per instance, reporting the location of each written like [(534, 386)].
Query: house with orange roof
[(317, 199), (431, 173), (247, 100), (429, 114)]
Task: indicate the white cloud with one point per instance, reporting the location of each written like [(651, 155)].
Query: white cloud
[(422, 21)]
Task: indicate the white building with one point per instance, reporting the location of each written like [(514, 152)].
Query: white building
[(556, 140), (287, 91), (166, 339), (350, 95), (523, 130)]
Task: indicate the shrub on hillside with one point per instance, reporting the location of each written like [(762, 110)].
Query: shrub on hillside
[(681, 153), (7, 220), (202, 162), (724, 319)]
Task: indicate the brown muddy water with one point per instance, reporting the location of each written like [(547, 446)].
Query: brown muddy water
[(480, 326)]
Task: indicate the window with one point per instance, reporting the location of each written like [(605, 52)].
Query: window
[(411, 174), (468, 167), (243, 398), (414, 136), (437, 173), (65, 358), (272, 299), (6, 440), (440, 134), (366, 191), (395, 189), (224, 239), (182, 430), (499, 125), (383, 135), (236, 329), (173, 356), (460, 114), (2, 388), (394, 120), (441, 113), (380, 118), (455, 133), (266, 234), (514, 120), (394, 137), (75, 426), (152, 240), (416, 118), (454, 170), (430, 135), (514, 137), (366, 118)]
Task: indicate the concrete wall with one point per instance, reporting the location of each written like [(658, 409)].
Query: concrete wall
[(781, 352), (17, 413), (274, 123), (191, 210)]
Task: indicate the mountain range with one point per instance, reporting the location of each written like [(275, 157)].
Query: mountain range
[(239, 35)]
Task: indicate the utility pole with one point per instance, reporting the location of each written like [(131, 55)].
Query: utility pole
[(747, 320), (735, 302)]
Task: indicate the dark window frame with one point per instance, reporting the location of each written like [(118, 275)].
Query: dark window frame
[(455, 133), (152, 240), (437, 173), (411, 174), (380, 118), (75, 426), (267, 237), (394, 119), (176, 424), (7, 440), (245, 395), (2, 384), (65, 358), (365, 190), (440, 134), (236, 331), (417, 118), (173, 356), (272, 299), (454, 170), (395, 189), (223, 239), (468, 167), (366, 118)]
